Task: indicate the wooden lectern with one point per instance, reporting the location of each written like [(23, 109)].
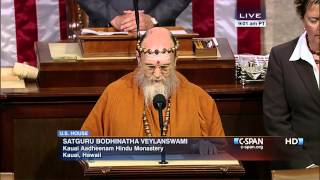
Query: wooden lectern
[(177, 169), (97, 72), (125, 45)]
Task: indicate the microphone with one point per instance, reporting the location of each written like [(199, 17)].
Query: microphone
[(136, 14), (159, 103)]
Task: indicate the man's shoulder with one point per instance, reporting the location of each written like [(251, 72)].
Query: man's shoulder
[(122, 84), (186, 85)]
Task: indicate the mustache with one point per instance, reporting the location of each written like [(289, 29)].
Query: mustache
[(154, 79)]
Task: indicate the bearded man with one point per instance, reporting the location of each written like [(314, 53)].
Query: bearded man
[(125, 108)]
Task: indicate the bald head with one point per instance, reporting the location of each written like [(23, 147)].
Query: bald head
[(158, 44), (158, 38)]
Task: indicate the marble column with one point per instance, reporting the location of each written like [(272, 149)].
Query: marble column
[(283, 23)]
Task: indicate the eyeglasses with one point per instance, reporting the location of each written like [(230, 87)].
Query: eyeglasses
[(164, 69)]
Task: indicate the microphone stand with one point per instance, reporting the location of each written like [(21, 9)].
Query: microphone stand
[(163, 153), (159, 103), (136, 14)]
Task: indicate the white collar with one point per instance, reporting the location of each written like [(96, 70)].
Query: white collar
[(301, 51)]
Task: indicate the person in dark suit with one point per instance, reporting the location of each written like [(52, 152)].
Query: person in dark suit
[(291, 98), (120, 14)]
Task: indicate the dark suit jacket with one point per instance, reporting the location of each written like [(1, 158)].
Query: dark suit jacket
[(291, 104), (101, 12)]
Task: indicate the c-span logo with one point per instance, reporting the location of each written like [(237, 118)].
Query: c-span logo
[(249, 143), (294, 141)]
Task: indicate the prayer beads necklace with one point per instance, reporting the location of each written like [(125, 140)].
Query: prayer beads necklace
[(146, 126)]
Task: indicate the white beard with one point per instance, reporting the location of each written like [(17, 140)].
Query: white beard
[(151, 88)]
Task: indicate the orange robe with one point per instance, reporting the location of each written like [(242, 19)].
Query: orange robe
[(119, 111)]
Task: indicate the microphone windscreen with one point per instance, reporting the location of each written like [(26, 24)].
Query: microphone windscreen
[(159, 102)]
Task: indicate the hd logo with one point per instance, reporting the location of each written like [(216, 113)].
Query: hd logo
[(294, 141)]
